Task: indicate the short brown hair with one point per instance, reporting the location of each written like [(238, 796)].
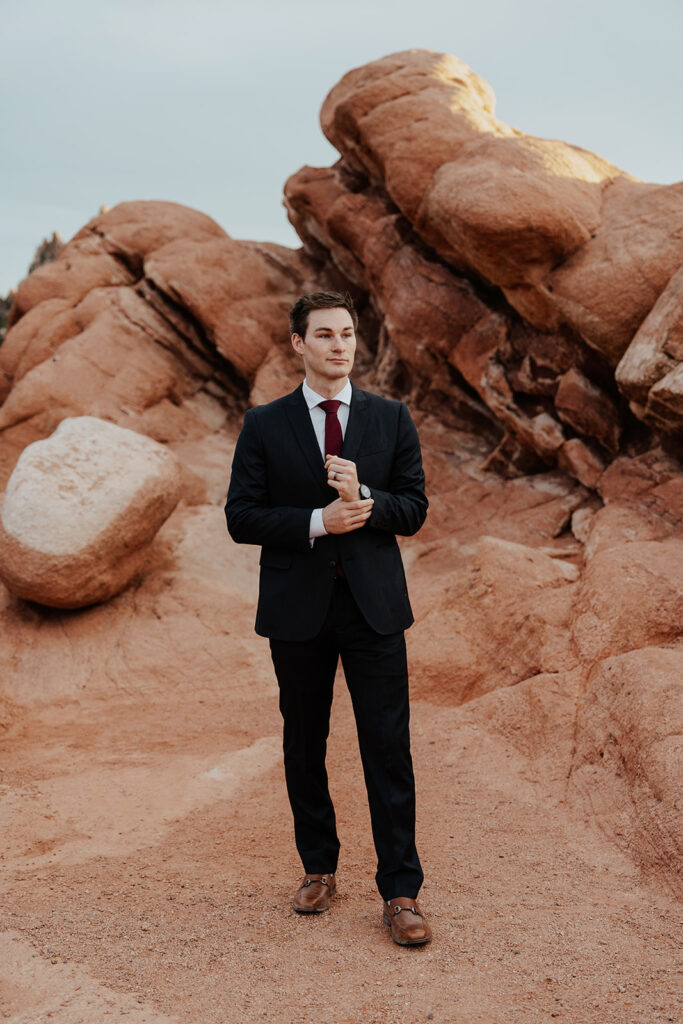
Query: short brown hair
[(298, 314)]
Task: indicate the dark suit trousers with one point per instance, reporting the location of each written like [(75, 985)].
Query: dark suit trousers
[(377, 677)]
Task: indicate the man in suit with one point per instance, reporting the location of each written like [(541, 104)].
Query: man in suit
[(323, 479)]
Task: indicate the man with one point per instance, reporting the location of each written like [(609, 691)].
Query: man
[(323, 479)]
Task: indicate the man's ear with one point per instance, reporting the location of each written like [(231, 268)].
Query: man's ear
[(298, 344)]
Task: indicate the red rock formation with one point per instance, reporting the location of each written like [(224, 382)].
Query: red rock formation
[(151, 317), (501, 280), (432, 186), (432, 319), (541, 219)]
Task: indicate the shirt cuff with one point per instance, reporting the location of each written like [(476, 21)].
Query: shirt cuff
[(317, 527)]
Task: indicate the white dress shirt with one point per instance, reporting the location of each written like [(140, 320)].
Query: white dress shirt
[(318, 417)]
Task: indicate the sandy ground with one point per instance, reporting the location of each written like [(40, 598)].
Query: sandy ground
[(147, 855), (148, 859)]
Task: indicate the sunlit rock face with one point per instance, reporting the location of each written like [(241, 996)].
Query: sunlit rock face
[(80, 510), (527, 266)]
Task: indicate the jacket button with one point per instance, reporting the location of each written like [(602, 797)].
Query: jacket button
[(332, 565)]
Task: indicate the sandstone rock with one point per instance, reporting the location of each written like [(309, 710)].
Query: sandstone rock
[(506, 206), (631, 596), (536, 717), (61, 279), (362, 116), (581, 462), (499, 615), (587, 409), (148, 308), (110, 250), (665, 401), (627, 764), (67, 362), (617, 524), (581, 522), (651, 484), (505, 629), (656, 349), (33, 339), (80, 510), (279, 373), (240, 299), (610, 285), (432, 319), (568, 238), (187, 622)]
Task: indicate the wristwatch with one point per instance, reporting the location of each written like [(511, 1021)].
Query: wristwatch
[(364, 491)]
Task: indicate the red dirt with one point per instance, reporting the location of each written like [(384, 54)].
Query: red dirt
[(148, 861)]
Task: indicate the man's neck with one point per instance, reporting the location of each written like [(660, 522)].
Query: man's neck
[(326, 388)]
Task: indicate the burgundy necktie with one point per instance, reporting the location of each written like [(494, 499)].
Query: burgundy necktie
[(333, 446), (333, 430)]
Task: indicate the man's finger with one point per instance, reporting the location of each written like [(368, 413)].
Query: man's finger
[(337, 459), (340, 474), (357, 503), (358, 517)]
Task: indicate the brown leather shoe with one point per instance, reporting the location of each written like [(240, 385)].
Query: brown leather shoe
[(314, 893), (408, 924)]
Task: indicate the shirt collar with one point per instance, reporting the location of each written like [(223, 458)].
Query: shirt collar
[(313, 398)]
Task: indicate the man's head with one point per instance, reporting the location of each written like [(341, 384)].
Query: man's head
[(299, 313), (323, 332)]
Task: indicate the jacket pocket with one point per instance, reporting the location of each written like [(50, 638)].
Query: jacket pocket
[(275, 558)]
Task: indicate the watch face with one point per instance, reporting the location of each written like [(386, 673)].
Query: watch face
[(364, 491)]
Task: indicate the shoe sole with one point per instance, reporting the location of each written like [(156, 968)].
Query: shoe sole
[(315, 910), (405, 942)]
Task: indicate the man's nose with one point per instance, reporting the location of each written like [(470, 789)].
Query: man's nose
[(339, 341)]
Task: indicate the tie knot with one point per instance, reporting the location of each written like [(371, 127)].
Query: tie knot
[(330, 405)]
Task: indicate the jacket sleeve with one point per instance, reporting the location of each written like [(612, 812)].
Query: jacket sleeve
[(403, 507), (250, 517)]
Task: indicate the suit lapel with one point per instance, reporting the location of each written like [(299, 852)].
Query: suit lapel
[(299, 417), (355, 428), (300, 421)]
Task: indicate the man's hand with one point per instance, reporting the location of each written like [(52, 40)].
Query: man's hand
[(342, 475), (344, 516)]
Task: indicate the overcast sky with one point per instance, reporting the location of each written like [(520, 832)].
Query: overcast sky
[(214, 103)]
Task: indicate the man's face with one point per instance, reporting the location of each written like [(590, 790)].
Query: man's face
[(329, 346)]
